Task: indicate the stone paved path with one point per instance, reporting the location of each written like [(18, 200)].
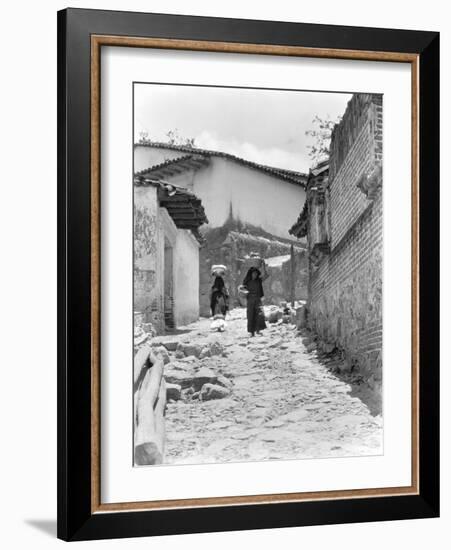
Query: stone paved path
[(284, 403)]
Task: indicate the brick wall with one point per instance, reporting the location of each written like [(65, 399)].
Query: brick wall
[(345, 288), (353, 153)]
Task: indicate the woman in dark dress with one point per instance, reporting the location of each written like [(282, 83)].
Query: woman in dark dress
[(219, 295), (253, 284)]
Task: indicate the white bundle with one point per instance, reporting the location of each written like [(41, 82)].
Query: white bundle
[(218, 270), (253, 260), (218, 325)]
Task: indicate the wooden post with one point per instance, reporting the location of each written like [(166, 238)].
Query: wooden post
[(293, 276), (159, 411), (139, 362), (149, 416)]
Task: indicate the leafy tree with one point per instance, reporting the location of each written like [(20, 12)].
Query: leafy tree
[(321, 133), (174, 138), (143, 136)]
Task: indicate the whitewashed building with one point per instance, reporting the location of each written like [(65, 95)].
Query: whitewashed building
[(254, 194), (166, 253), (249, 199)]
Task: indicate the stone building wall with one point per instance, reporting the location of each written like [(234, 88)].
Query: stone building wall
[(345, 287), (278, 285)]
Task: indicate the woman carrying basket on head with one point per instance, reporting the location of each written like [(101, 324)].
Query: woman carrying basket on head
[(253, 283), (219, 298)]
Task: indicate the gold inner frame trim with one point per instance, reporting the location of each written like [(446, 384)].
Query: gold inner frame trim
[(97, 41)]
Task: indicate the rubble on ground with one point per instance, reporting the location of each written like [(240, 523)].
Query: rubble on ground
[(277, 395), (272, 399), (191, 366)]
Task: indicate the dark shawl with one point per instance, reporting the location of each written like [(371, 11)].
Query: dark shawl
[(258, 280)]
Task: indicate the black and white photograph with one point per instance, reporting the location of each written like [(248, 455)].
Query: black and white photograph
[(227, 273), (257, 274)]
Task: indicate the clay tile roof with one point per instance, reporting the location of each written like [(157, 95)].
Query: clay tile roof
[(297, 178), (320, 168), (184, 207), (175, 166)]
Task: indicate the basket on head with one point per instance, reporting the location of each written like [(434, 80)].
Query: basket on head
[(253, 260), (218, 270)]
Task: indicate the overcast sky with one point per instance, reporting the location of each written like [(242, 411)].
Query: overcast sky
[(265, 126)]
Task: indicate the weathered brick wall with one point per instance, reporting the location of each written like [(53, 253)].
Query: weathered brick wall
[(345, 289), (353, 153)]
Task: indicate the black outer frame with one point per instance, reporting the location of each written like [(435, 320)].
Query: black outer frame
[(75, 520)]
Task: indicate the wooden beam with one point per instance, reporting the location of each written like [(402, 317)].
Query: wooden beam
[(183, 214), (176, 206), (187, 216), (175, 199), (185, 225)]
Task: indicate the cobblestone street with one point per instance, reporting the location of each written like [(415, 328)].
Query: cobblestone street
[(284, 401)]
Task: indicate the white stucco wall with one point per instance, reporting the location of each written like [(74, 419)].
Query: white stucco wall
[(145, 157), (185, 268), (255, 198), (186, 278)]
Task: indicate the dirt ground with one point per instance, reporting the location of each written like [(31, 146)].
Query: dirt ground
[(285, 403)]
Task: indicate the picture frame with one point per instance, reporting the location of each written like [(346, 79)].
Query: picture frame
[(81, 35)]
